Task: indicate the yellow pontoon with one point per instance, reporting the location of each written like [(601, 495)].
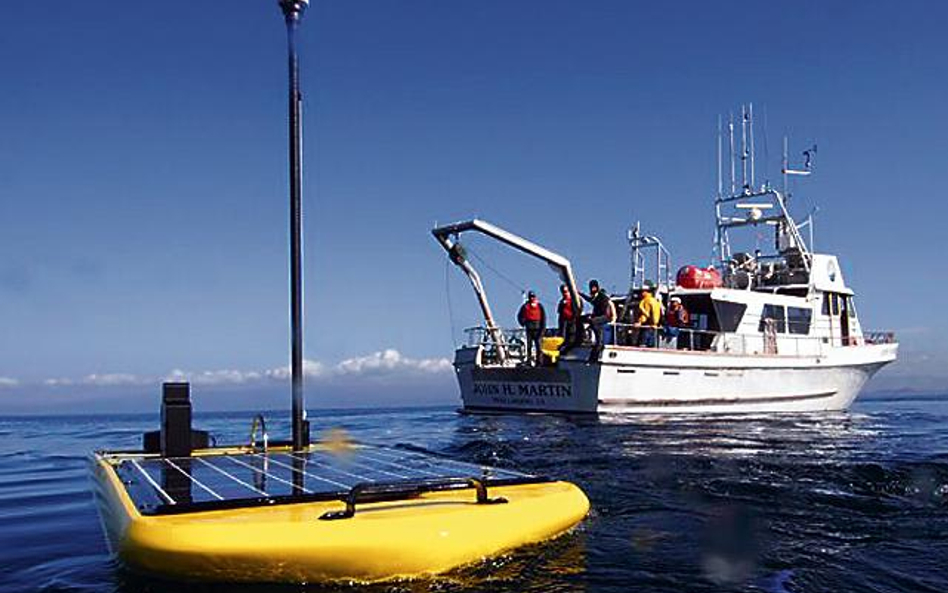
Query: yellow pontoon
[(371, 514)]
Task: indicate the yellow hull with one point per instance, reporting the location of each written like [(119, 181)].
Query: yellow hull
[(424, 535)]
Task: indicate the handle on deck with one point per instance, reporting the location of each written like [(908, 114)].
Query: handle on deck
[(371, 492), (259, 423)]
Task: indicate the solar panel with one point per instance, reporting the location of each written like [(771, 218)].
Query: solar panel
[(167, 485)]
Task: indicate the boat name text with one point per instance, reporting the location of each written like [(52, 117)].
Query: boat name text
[(524, 389)]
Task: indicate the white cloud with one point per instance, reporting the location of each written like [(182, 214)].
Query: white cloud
[(219, 377), (312, 369), (60, 382), (113, 379), (385, 363), (390, 361), (8, 382), (99, 380)]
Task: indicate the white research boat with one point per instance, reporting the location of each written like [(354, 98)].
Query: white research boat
[(773, 332)]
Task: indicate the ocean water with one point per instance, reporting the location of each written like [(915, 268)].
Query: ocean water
[(844, 502)]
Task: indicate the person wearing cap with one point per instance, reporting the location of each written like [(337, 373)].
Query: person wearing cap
[(602, 317), (648, 317), (532, 318), (676, 317)]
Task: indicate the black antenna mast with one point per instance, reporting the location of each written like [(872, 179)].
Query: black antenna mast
[(293, 12)]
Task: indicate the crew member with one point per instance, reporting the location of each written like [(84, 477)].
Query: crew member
[(602, 318), (532, 318), (566, 316), (676, 317), (648, 318)]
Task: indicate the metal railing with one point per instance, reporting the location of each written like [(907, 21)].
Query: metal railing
[(479, 336), (687, 339), (879, 337), (515, 342)]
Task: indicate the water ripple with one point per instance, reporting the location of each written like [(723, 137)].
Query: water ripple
[(851, 502)]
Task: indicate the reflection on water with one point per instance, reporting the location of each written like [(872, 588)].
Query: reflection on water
[(825, 502)]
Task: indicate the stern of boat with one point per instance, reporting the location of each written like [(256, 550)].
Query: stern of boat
[(564, 387)]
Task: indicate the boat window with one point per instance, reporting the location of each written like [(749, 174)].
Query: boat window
[(701, 310), (830, 303), (798, 320), (851, 307), (704, 319), (729, 315), (801, 291), (777, 313)]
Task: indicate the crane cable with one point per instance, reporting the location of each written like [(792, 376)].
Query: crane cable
[(500, 274), (447, 292), (447, 287)]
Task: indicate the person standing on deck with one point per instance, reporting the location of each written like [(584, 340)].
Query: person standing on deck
[(677, 317), (602, 318), (566, 317), (648, 318), (532, 318)]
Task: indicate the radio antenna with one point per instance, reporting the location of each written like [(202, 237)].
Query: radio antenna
[(730, 133), (744, 185), (720, 180), (750, 125)]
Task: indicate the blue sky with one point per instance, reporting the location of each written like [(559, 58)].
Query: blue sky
[(143, 182)]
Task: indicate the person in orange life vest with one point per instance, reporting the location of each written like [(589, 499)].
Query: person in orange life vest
[(567, 317), (676, 317), (532, 318)]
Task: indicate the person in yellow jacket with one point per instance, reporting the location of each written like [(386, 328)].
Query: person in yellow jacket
[(648, 318)]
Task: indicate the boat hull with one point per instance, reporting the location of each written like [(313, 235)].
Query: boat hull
[(648, 381), (427, 534)]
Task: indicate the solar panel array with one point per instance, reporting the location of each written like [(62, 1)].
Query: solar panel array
[(162, 485)]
